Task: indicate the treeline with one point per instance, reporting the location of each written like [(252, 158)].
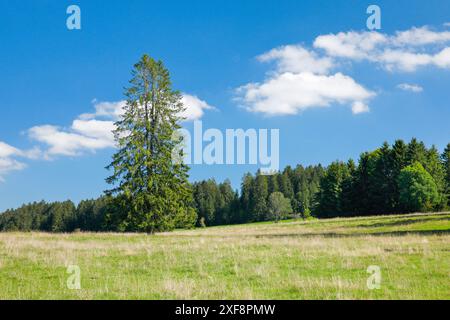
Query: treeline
[(402, 178), (214, 203), (219, 204), (89, 215)]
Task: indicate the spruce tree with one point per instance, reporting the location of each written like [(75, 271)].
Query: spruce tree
[(330, 195), (246, 197), (151, 189), (446, 163), (259, 197), (399, 159), (434, 166)]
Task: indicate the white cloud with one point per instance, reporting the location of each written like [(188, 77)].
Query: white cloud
[(108, 110), (6, 150), (7, 162), (195, 107), (290, 93), (94, 131), (302, 78), (404, 51), (297, 59), (410, 87), (69, 142), (419, 37), (301, 81), (442, 59), (404, 61), (359, 107), (354, 45)]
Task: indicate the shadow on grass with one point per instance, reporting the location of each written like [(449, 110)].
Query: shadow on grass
[(356, 234)]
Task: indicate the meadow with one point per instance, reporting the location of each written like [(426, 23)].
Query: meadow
[(317, 259)]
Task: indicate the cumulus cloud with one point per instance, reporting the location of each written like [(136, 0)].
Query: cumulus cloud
[(108, 110), (72, 142), (90, 132), (410, 87), (7, 161), (353, 45), (6, 150), (419, 37), (402, 60), (290, 93), (195, 107), (301, 80), (404, 51), (359, 107), (442, 59), (295, 58)]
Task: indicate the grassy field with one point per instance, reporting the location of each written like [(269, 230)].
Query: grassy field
[(325, 259)]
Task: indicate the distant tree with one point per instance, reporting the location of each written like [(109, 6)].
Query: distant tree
[(91, 214), (399, 160), (348, 195), (302, 201), (216, 204), (206, 198), (446, 165), (329, 198), (246, 197), (418, 191), (285, 185), (227, 200), (60, 216), (279, 207), (152, 189), (436, 169), (273, 185), (416, 152), (260, 194)]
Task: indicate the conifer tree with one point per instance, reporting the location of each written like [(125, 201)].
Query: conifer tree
[(446, 163), (152, 190), (260, 195)]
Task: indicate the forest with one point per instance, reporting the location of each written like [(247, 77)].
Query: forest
[(393, 179)]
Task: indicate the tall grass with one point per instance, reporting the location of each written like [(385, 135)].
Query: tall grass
[(322, 259)]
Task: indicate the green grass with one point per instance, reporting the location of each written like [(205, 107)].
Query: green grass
[(319, 259)]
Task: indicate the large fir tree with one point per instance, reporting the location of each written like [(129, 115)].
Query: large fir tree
[(151, 189)]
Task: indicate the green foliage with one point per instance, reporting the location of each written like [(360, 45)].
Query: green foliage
[(216, 204), (372, 187), (329, 200), (384, 181), (418, 190), (152, 190), (259, 198), (445, 157), (279, 206), (57, 216)]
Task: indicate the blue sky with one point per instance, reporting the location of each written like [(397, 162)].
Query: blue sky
[(361, 89)]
